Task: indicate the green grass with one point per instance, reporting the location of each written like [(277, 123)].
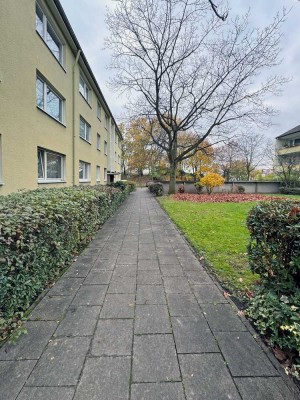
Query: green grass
[(218, 232)]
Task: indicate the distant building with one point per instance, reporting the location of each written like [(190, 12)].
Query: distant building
[(56, 129), (288, 144)]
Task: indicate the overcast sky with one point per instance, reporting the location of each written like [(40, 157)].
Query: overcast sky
[(87, 18)]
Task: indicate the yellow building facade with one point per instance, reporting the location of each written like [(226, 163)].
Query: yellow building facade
[(56, 128)]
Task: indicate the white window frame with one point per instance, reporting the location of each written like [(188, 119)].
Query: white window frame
[(99, 111), (98, 141), (47, 85), (86, 171), (105, 174), (105, 147), (84, 89), (98, 173), (106, 121), (87, 130), (45, 179), (43, 35)]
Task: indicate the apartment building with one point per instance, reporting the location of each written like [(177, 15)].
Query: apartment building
[(56, 129), (288, 146)]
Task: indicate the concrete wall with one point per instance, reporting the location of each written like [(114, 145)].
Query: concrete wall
[(250, 187), (23, 126)]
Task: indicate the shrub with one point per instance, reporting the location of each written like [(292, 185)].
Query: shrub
[(181, 189), (240, 189), (40, 231), (156, 188), (274, 254), (289, 190), (198, 187), (212, 180), (128, 185)]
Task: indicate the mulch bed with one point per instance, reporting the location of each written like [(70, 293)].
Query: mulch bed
[(223, 197)]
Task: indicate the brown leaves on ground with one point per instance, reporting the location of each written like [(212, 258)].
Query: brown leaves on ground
[(223, 197)]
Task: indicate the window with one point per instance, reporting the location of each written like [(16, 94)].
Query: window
[(116, 157), (119, 159), (84, 171), (48, 100), (98, 142), (84, 89), (105, 174), (50, 166), (46, 31), (105, 147), (85, 130), (98, 173), (98, 111), (106, 121)]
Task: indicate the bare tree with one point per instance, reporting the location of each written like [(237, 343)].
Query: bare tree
[(253, 149), (191, 71), (226, 157)]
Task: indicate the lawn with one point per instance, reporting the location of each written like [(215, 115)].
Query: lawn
[(218, 232)]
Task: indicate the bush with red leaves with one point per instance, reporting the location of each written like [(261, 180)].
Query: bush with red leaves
[(222, 197)]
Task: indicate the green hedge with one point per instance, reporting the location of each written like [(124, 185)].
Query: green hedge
[(156, 188), (40, 231), (274, 254)]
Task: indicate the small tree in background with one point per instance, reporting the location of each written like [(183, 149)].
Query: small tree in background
[(212, 180)]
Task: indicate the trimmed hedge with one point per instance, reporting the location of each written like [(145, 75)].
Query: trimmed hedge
[(274, 254), (40, 231), (156, 188), (290, 190)]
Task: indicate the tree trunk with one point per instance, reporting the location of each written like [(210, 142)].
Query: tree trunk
[(172, 184)]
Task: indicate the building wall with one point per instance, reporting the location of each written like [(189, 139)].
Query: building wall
[(23, 126)]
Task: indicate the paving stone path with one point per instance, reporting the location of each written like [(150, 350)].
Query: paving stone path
[(137, 317)]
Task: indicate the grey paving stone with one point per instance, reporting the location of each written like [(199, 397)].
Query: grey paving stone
[(113, 337), (147, 255), (79, 321), (145, 265), (78, 271), (191, 265), (46, 393), (198, 277), (104, 378), (150, 294), (206, 377), (173, 260), (121, 284), (90, 295), (208, 294), (157, 391), (152, 319), (171, 270), (61, 363), (147, 246), (263, 389), (125, 270), (243, 355), (222, 318), (192, 335), (183, 305), (118, 306), (176, 285), (51, 308), (154, 359), (87, 258), (31, 345), (149, 278), (106, 265), (66, 287), (13, 375), (98, 278), (127, 259)]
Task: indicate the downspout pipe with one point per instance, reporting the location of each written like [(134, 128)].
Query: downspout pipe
[(74, 117)]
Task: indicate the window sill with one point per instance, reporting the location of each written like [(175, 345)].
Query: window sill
[(99, 150), (86, 141), (49, 182), (49, 115), (84, 180), (85, 100), (99, 118), (58, 62), (1, 183)]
